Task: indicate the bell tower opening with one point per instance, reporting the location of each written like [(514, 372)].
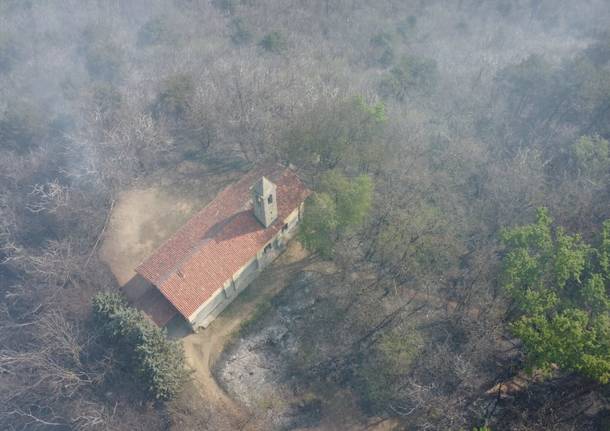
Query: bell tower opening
[(264, 201)]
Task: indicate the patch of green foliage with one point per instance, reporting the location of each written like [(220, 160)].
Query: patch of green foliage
[(157, 362), (559, 286), (319, 226), (274, 42), (340, 204), (592, 155), (411, 75)]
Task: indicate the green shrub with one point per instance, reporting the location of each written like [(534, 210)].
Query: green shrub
[(559, 286), (274, 42), (105, 305), (340, 204), (157, 362), (592, 155)]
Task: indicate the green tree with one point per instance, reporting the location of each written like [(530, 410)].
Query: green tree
[(157, 362), (340, 204), (559, 286), (592, 155), (352, 197), (319, 225)]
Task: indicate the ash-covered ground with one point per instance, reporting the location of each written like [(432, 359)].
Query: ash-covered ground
[(257, 369)]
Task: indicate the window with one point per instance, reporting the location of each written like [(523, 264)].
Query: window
[(267, 248), (270, 199)]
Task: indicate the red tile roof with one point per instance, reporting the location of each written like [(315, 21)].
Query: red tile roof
[(219, 240)]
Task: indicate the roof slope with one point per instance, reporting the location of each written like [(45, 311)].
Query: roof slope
[(219, 240)]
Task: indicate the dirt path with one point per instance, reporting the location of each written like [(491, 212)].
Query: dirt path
[(203, 349)]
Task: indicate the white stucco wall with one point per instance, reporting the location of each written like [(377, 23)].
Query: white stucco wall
[(209, 310)]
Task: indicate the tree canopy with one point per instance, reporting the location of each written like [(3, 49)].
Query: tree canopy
[(559, 285), (340, 204), (156, 361)]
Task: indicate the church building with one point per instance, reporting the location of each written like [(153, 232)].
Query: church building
[(204, 266)]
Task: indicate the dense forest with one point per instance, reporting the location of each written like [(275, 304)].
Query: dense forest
[(459, 153)]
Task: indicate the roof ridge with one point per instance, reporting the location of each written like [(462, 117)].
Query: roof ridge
[(253, 173), (218, 240)]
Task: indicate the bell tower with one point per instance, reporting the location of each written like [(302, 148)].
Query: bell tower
[(264, 201)]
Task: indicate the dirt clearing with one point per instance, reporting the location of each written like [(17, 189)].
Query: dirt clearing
[(147, 214), (142, 219)]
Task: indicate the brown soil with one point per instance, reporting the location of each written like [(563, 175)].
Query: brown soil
[(146, 215), (141, 220)]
